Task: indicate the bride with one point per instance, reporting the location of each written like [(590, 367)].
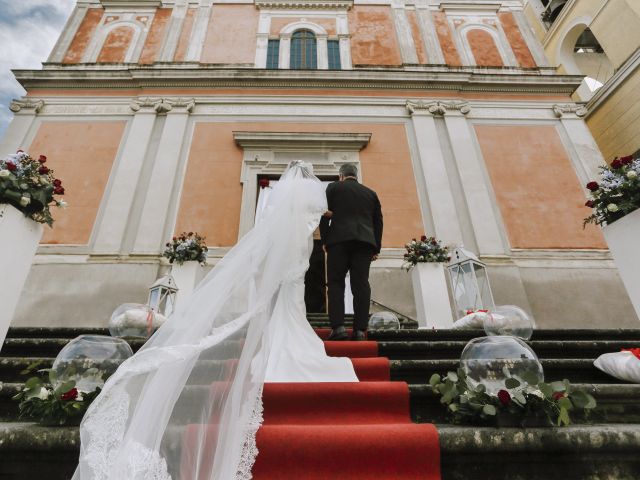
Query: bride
[(189, 403)]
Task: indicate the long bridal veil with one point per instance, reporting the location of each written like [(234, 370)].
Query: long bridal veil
[(188, 404)]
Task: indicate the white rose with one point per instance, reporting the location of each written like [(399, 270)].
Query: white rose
[(44, 394), (62, 204), (4, 173), (631, 174), (612, 207), (24, 201)]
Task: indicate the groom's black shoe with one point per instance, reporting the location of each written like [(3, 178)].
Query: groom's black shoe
[(359, 335), (338, 333)]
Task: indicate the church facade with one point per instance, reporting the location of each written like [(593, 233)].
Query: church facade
[(162, 116)]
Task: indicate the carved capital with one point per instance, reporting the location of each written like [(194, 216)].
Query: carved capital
[(162, 105), (437, 108), (26, 104), (146, 104), (560, 110), (180, 105)]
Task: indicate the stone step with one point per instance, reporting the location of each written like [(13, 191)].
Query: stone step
[(617, 403), (411, 371), (596, 452), (417, 350)]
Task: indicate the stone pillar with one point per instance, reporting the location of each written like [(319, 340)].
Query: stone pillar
[(434, 173), (15, 136), (322, 52), (403, 30), (584, 151), (112, 223), (428, 30), (345, 42), (485, 224), (535, 47), (285, 51), (151, 227), (200, 25), (174, 29), (262, 41)]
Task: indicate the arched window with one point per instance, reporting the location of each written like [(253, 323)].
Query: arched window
[(304, 54)]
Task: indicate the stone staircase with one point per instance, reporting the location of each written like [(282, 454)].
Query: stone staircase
[(605, 446)]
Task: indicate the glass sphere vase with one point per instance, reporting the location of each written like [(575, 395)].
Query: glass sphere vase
[(491, 360), (134, 320), (89, 360), (384, 321), (509, 320)]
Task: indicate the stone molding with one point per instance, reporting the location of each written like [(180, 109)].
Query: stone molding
[(289, 141), (437, 108), (304, 4), (26, 104), (131, 3), (560, 110), (163, 105)]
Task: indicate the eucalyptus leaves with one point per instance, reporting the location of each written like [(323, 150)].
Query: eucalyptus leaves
[(468, 402)]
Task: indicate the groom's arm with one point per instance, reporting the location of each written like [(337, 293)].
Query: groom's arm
[(377, 224), (324, 220)]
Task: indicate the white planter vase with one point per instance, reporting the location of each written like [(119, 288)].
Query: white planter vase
[(431, 296), (186, 278), (19, 239), (623, 237)]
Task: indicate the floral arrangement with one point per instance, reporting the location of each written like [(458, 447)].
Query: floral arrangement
[(60, 405), (618, 192), (427, 249), (29, 185), (518, 401), (186, 247)]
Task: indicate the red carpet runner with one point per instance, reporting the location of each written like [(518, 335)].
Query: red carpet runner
[(327, 431)]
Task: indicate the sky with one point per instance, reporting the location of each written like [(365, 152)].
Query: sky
[(28, 31)]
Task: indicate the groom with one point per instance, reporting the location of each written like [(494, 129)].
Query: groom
[(352, 240)]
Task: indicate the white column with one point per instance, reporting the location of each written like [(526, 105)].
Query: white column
[(285, 51), (405, 38), (174, 30), (15, 136), (342, 23), (436, 181), (428, 29), (68, 32), (200, 26), (262, 40), (151, 226), (322, 52), (486, 226), (530, 38), (584, 151), (124, 180)]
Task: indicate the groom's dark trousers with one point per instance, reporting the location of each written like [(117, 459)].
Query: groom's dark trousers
[(352, 237)]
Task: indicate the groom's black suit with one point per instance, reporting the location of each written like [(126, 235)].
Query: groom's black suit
[(352, 237)]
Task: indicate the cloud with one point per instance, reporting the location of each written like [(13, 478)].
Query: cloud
[(28, 31)]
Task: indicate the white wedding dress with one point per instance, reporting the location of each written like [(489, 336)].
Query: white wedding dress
[(188, 404)]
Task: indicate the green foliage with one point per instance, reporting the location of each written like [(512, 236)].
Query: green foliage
[(522, 399), (53, 406)]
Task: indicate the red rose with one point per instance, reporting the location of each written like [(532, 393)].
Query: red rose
[(423, 238), (558, 395), (634, 351), (70, 395), (11, 166), (19, 151), (590, 204), (626, 160), (616, 163), (504, 397), (434, 242), (190, 234), (57, 183), (43, 170), (263, 182), (58, 190), (593, 186), (42, 158)]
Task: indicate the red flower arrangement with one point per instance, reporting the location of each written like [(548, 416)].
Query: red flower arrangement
[(263, 182)]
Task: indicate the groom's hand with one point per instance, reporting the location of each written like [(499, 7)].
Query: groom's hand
[(328, 214), (374, 258)]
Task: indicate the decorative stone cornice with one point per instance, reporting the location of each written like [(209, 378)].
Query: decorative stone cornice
[(131, 3), (295, 141), (162, 105), (560, 110), (26, 104), (305, 4), (437, 108)]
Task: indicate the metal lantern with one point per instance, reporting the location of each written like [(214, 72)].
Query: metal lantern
[(469, 282), (162, 295)]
